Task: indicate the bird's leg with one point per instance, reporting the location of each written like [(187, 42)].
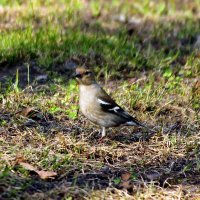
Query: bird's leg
[(103, 133)]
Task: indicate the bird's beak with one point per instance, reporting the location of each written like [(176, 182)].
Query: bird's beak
[(77, 75)]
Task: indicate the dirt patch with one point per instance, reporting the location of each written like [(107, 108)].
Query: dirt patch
[(31, 73), (27, 74)]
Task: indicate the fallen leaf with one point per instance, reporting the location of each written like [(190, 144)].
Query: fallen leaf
[(19, 158), (32, 114), (125, 176), (27, 111), (126, 184), (46, 174), (28, 166), (42, 174)]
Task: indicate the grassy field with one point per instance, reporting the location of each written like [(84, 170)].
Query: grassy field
[(146, 54)]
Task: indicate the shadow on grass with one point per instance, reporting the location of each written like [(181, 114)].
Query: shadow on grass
[(127, 45), (175, 170), (75, 183), (117, 51)]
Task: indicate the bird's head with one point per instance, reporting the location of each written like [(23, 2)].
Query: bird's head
[(84, 76)]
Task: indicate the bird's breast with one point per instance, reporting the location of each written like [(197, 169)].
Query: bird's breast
[(87, 100)]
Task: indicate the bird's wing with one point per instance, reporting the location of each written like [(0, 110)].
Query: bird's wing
[(107, 104)]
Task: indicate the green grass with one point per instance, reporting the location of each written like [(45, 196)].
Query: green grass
[(149, 64)]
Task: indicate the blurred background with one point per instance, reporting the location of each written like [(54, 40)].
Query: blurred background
[(137, 34), (146, 54)]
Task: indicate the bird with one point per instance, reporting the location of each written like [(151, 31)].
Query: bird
[(97, 106)]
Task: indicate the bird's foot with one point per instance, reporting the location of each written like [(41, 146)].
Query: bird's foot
[(103, 135), (101, 140)]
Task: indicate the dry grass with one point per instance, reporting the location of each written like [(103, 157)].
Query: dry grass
[(152, 72)]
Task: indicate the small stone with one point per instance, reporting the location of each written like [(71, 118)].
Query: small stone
[(153, 175), (135, 20), (120, 18), (30, 123), (41, 78)]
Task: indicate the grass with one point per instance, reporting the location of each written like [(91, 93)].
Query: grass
[(146, 56)]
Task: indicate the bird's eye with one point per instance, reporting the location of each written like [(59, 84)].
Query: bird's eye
[(88, 73)]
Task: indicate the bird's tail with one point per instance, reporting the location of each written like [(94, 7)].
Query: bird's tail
[(135, 122)]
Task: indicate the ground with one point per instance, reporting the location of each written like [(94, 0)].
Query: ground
[(146, 56)]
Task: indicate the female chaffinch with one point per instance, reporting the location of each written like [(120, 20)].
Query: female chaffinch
[(98, 106)]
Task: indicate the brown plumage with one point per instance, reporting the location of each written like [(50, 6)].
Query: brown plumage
[(98, 106)]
